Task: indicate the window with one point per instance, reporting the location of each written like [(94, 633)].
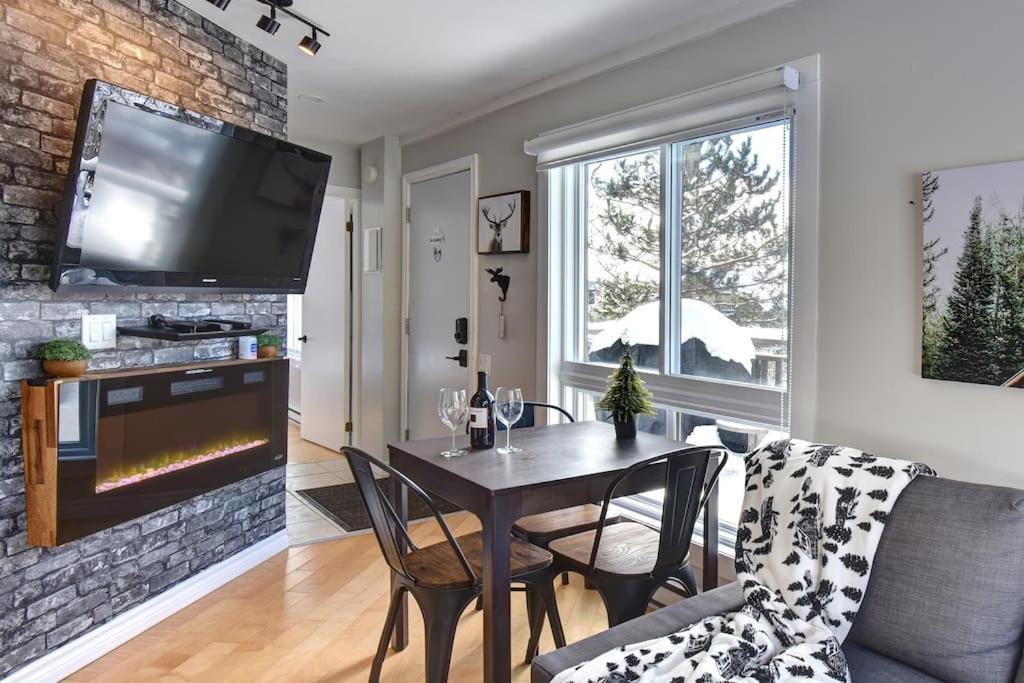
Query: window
[(622, 231), (679, 253), (732, 232)]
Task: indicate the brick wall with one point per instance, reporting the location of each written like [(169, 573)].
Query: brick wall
[(48, 48)]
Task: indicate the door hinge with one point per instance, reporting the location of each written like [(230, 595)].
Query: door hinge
[(349, 225), (348, 427), (407, 326), (408, 214)]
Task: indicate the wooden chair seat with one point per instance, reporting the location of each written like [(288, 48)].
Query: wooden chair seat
[(628, 549), (436, 566), (547, 526)]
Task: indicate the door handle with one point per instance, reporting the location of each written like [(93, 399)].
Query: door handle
[(462, 330), (303, 339), (462, 358)]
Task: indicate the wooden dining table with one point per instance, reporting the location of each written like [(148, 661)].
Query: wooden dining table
[(560, 466)]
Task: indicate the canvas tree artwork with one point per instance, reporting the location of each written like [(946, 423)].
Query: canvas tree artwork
[(973, 275)]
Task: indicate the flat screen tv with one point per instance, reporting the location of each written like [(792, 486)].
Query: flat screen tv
[(162, 198)]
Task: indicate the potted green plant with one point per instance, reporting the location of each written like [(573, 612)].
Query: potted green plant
[(627, 397), (64, 357), (267, 345)]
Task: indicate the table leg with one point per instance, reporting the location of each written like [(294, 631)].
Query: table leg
[(710, 572), (497, 530), (400, 500)]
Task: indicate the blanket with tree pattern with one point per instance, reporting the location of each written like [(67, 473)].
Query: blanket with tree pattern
[(812, 519)]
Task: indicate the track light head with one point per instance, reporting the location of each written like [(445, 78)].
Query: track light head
[(269, 24), (309, 44), (220, 4)]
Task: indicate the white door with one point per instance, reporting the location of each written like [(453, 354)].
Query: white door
[(325, 326), (439, 247)]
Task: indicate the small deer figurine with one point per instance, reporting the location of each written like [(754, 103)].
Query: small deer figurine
[(502, 280), (498, 224)]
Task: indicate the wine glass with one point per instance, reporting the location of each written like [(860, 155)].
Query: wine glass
[(453, 409), (509, 408)]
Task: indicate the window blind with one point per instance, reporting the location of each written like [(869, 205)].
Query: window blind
[(729, 104)]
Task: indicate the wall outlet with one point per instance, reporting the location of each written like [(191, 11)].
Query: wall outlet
[(99, 331), (484, 363)]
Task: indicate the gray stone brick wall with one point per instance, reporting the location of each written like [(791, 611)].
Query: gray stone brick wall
[(48, 49)]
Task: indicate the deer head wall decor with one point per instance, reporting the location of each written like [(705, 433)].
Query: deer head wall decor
[(498, 224), (504, 221)]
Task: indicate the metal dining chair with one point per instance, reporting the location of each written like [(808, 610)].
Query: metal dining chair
[(545, 527), (628, 562), (444, 577), (541, 529)]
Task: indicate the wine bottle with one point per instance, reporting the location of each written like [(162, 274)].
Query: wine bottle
[(481, 415)]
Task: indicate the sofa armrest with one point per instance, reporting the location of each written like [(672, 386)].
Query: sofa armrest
[(728, 598)]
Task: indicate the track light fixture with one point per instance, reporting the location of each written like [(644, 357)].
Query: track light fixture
[(269, 24), (309, 44)]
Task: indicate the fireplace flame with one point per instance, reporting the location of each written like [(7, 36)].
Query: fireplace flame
[(177, 462)]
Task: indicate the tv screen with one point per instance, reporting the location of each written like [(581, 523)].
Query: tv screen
[(162, 198)]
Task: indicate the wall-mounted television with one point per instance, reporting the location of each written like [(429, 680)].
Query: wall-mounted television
[(162, 198)]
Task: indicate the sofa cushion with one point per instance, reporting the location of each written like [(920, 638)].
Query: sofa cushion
[(945, 590), (866, 665), (660, 623)]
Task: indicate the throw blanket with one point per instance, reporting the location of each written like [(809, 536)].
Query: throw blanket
[(812, 518)]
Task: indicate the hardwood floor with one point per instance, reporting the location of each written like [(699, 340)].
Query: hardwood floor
[(314, 614)]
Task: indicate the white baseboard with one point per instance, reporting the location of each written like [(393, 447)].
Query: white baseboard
[(71, 657)]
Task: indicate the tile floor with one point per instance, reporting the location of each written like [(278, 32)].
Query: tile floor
[(311, 466)]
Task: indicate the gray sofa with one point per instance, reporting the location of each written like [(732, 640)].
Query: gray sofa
[(945, 601)]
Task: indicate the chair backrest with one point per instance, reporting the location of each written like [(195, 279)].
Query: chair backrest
[(387, 527), (687, 486), (529, 418)]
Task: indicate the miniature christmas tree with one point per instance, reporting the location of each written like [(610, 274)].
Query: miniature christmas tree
[(627, 395)]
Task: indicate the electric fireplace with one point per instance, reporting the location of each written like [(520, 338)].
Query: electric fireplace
[(130, 443)]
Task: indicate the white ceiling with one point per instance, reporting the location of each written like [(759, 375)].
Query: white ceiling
[(409, 67)]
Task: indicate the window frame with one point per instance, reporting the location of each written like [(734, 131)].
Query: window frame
[(729, 399), (561, 323)]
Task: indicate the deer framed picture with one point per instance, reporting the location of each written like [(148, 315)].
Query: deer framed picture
[(503, 224)]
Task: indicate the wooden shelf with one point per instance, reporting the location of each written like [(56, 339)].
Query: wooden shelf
[(153, 369), (39, 448)]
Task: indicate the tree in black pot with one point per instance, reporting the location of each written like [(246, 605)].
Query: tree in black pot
[(627, 397)]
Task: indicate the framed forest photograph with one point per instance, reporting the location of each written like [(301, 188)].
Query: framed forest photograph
[(973, 275)]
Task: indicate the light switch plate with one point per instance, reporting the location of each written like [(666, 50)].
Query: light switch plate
[(99, 331), (371, 250)]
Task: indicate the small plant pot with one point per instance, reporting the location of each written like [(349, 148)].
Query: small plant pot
[(65, 368), (267, 352), (625, 430)]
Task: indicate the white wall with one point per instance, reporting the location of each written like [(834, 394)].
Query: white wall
[(378, 414), (344, 162), (906, 86)]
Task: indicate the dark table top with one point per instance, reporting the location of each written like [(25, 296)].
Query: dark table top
[(550, 455)]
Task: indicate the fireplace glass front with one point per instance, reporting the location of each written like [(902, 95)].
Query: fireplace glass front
[(128, 445)]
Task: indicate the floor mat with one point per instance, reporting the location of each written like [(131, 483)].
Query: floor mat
[(343, 504)]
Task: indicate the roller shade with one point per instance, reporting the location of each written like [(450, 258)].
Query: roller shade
[(735, 100)]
